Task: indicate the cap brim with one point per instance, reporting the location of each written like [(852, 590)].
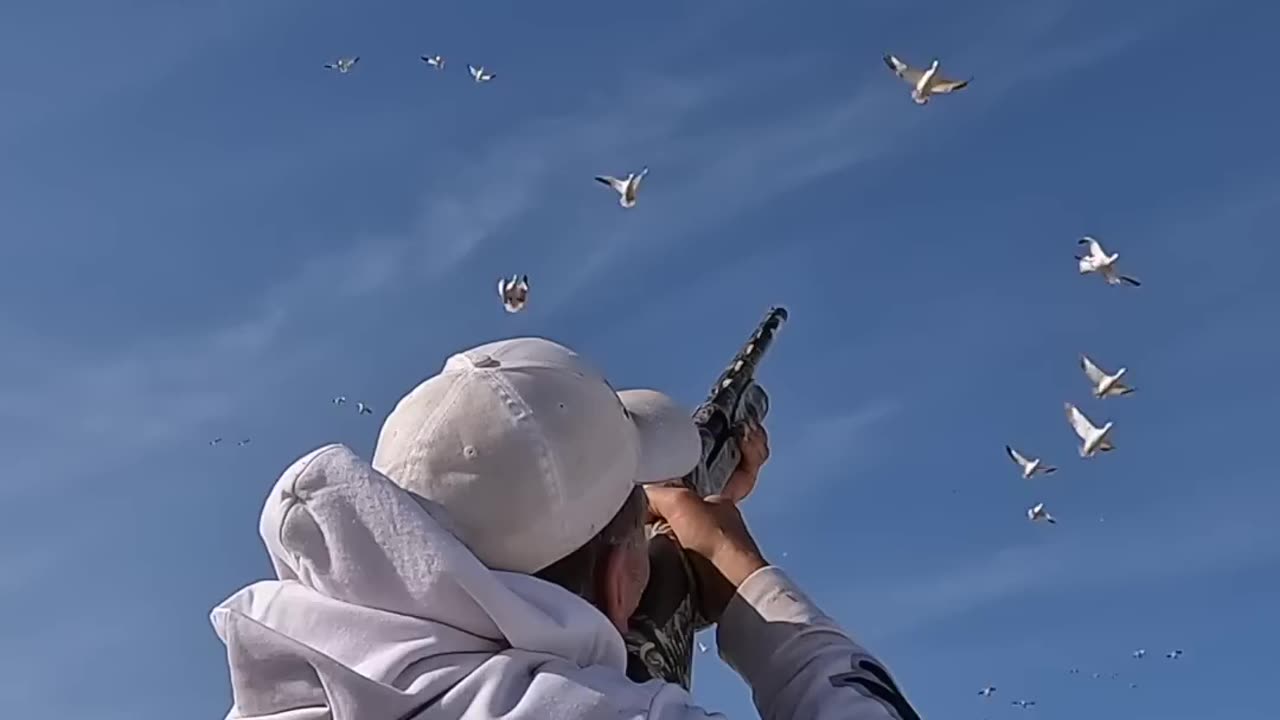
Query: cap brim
[(668, 441)]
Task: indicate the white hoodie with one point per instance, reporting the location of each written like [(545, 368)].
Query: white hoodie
[(379, 613)]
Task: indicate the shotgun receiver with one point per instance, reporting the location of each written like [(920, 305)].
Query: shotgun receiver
[(660, 634)]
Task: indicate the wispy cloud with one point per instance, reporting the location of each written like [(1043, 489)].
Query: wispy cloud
[(116, 406), (1164, 542), (826, 449)]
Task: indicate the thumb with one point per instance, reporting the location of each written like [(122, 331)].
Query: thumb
[(666, 501)]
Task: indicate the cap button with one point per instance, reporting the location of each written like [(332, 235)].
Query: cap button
[(485, 361)]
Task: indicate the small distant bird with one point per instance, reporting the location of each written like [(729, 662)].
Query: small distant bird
[(1133, 685), (215, 441), (987, 691), (363, 409), (435, 61), (1024, 704), (1093, 439), (1100, 262), (514, 292), (1104, 384), (1173, 654), (1073, 671), (627, 188), (244, 442), (1097, 676), (1139, 653), (343, 65), (1038, 512), (701, 647), (923, 82), (340, 400), (479, 74), (1029, 467)]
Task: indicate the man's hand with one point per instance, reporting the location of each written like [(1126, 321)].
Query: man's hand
[(753, 443), (720, 547)]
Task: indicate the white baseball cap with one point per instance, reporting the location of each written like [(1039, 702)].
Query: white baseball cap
[(529, 450)]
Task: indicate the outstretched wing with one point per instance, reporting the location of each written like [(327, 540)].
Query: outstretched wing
[(612, 182), (1079, 422), (1095, 248), (1095, 373), (942, 85), (1017, 457), (903, 70)]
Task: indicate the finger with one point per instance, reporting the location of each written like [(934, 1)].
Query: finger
[(666, 501)]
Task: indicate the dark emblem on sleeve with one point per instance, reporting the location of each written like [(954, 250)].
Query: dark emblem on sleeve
[(871, 680)]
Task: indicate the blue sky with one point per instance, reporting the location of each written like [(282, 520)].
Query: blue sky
[(204, 234)]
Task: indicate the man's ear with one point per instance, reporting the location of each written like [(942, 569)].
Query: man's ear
[(612, 583)]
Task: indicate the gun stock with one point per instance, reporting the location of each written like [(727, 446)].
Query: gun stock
[(660, 637)]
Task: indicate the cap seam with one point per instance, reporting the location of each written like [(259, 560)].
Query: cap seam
[(549, 464)]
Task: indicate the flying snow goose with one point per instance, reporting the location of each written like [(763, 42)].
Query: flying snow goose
[(478, 73), (1037, 512), (435, 61), (1104, 384), (344, 64), (1099, 261), (514, 292), (1029, 467), (626, 188), (923, 82), (1093, 439)]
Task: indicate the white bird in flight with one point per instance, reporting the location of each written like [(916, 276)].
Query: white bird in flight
[(1173, 654), (701, 647), (1038, 512), (627, 188), (479, 74), (244, 442), (987, 691), (514, 292), (362, 409), (215, 441), (435, 61), (1024, 704), (1104, 384), (340, 400), (1099, 261), (923, 82), (1029, 467), (343, 65), (1139, 653), (1093, 439)]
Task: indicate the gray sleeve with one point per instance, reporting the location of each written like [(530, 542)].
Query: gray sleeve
[(798, 662)]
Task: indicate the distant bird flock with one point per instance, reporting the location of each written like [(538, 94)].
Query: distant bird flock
[(925, 83), (990, 690)]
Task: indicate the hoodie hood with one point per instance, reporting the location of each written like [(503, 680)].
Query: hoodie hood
[(378, 612)]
